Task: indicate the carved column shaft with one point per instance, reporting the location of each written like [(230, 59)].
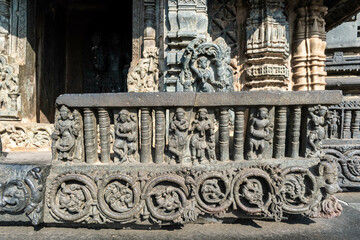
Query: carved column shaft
[(90, 136), (145, 153), (239, 134), (224, 134), (295, 124), (356, 125), (347, 124), (4, 24), (104, 128), (280, 132), (159, 135), (150, 19)]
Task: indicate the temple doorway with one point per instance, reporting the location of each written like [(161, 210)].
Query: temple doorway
[(84, 47)]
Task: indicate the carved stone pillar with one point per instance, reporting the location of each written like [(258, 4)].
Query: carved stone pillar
[(145, 152), (104, 129), (159, 135), (295, 124), (90, 136), (267, 46), (309, 47), (347, 124), (239, 134), (280, 132), (356, 125), (224, 134)]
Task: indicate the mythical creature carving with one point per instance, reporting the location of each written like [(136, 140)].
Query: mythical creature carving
[(179, 127), (203, 138), (144, 77), (206, 67), (125, 145), (67, 136), (316, 130), (24, 195), (260, 134)]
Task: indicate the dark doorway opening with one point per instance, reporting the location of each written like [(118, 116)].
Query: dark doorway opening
[(84, 47)]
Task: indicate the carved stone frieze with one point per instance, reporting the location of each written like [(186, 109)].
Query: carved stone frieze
[(309, 46), (22, 192), (267, 45), (166, 196), (206, 67)]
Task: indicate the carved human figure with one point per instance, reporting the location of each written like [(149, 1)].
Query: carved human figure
[(204, 75), (203, 138), (125, 143), (3, 92), (260, 133), (333, 123), (317, 131), (67, 130), (178, 133)]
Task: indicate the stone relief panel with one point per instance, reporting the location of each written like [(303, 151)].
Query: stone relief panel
[(267, 46), (309, 45), (206, 67), (22, 193)]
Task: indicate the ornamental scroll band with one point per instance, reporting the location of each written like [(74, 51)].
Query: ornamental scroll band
[(188, 136), (143, 197)]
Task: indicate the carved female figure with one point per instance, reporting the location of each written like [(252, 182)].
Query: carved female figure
[(204, 133), (178, 132), (317, 131), (67, 130), (260, 133), (126, 135), (333, 124)]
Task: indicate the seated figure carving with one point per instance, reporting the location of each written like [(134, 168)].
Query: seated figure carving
[(178, 134), (125, 144), (260, 134), (203, 138)]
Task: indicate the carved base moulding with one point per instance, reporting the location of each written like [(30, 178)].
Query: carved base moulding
[(151, 194)]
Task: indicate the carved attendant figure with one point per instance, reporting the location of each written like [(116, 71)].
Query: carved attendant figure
[(317, 131), (204, 136), (126, 135), (67, 130), (178, 133), (260, 133), (333, 124)]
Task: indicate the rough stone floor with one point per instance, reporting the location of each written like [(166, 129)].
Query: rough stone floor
[(345, 227)]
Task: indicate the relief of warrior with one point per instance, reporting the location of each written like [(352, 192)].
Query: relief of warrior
[(203, 137), (178, 134), (126, 135)]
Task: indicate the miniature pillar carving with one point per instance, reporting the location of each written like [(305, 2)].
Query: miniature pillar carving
[(145, 153), (267, 46), (90, 136), (104, 128), (356, 125), (295, 124), (309, 47), (224, 134), (347, 124), (159, 135), (239, 134), (280, 132)]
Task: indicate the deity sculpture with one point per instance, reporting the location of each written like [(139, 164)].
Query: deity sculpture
[(203, 138), (260, 134), (178, 134), (67, 134), (333, 123), (204, 75), (125, 144), (317, 131)]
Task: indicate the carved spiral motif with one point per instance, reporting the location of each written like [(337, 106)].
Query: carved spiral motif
[(14, 197), (252, 191), (213, 192), (119, 197), (166, 197), (299, 190), (72, 196)]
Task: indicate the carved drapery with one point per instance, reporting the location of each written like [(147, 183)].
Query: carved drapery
[(309, 47), (267, 45)]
